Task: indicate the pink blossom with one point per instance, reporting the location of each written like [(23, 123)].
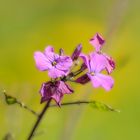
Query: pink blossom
[(57, 65), (97, 41), (96, 63)]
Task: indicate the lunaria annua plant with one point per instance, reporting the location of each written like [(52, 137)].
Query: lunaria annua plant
[(60, 69)]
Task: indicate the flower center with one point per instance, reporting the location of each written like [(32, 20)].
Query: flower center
[(54, 63), (92, 73)]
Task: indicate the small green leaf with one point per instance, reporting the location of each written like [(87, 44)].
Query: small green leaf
[(102, 106), (9, 99)]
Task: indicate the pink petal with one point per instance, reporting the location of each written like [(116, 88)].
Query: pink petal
[(42, 62), (65, 88), (97, 62), (111, 63), (102, 80), (55, 73), (49, 49), (45, 92), (64, 63), (97, 41), (49, 53), (85, 59), (57, 97)]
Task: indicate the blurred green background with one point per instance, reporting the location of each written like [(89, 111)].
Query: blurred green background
[(30, 25)]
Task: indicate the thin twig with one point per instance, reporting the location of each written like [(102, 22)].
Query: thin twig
[(71, 103), (16, 101), (27, 108), (87, 102)]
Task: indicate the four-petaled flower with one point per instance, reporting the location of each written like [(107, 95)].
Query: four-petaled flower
[(57, 65), (97, 41), (54, 90), (96, 63)]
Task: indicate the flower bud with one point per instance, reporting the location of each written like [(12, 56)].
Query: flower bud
[(76, 52), (83, 79)]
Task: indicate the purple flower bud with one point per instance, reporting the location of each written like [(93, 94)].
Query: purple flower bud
[(61, 52), (83, 79), (76, 52), (54, 90)]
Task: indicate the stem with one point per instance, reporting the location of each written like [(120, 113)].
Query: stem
[(72, 103), (96, 104), (16, 101), (38, 120), (27, 108), (72, 75)]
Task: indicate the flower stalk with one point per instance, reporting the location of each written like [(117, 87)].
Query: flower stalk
[(38, 120)]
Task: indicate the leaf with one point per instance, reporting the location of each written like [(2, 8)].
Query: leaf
[(9, 99), (102, 106)]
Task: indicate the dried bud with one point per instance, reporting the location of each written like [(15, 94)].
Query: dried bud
[(54, 90)]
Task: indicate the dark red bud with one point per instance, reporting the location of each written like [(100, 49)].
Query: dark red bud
[(83, 79)]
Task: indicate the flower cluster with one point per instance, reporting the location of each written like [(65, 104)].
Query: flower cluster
[(60, 69)]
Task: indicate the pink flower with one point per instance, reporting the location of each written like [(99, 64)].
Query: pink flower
[(54, 90), (96, 63), (57, 65), (97, 41)]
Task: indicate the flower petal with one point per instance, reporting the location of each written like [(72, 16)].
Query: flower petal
[(85, 59), (49, 53), (42, 62), (55, 73), (65, 88), (111, 63), (97, 62), (102, 80), (97, 41), (64, 63), (45, 92), (57, 97), (49, 49)]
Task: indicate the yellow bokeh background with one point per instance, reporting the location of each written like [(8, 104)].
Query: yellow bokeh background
[(30, 25)]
